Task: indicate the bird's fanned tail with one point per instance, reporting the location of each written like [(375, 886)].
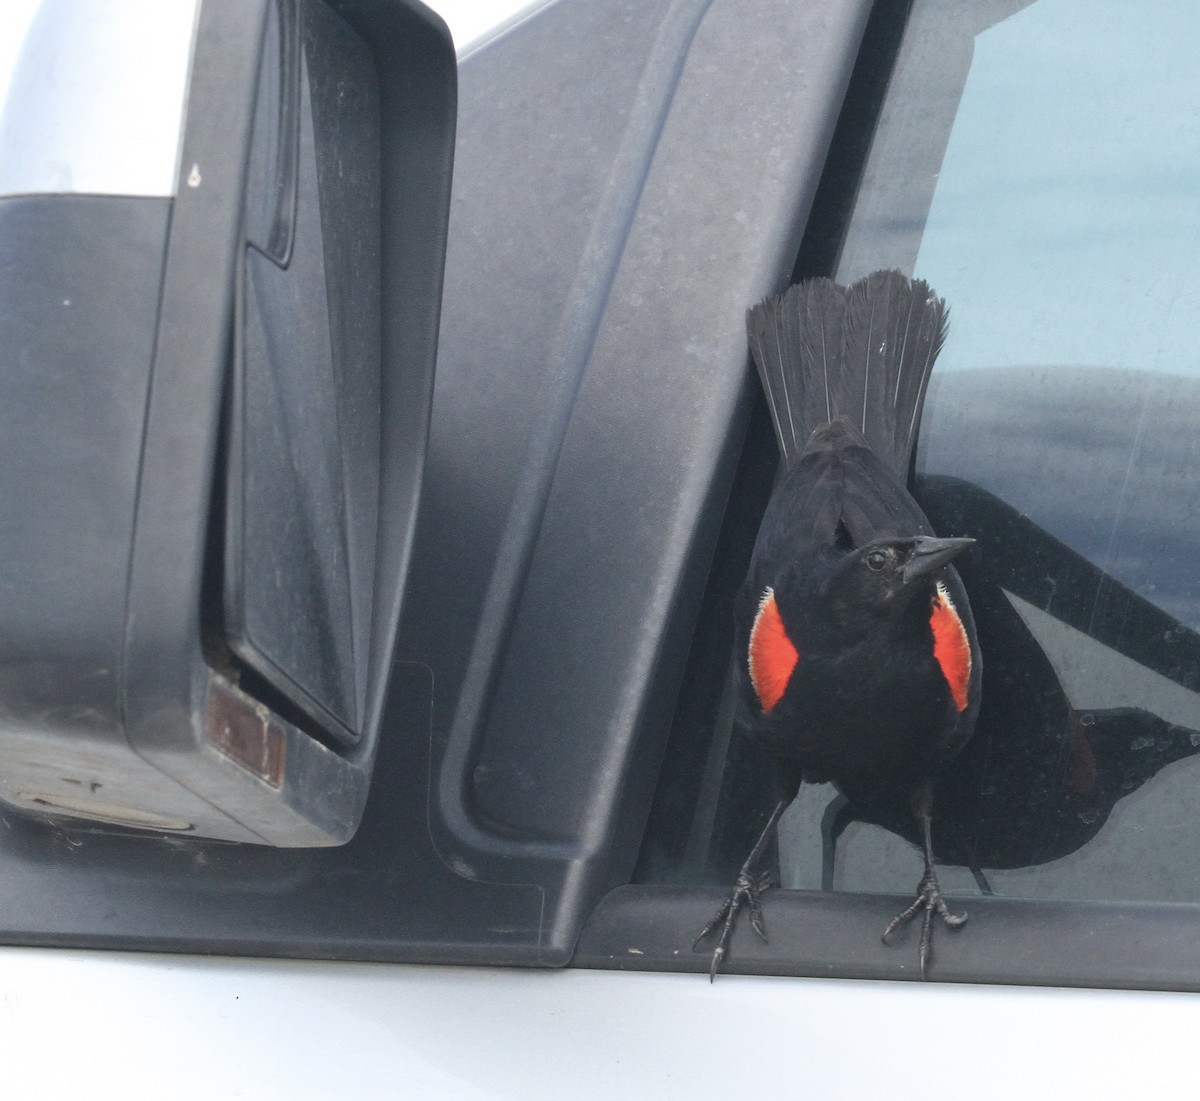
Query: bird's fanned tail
[(862, 352)]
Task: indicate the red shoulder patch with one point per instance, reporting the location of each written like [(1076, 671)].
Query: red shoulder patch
[(772, 655), (951, 647)]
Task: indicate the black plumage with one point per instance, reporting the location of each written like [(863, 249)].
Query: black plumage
[(857, 655)]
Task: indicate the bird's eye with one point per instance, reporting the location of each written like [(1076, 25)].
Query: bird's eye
[(876, 560)]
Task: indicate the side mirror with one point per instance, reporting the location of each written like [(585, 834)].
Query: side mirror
[(214, 397)]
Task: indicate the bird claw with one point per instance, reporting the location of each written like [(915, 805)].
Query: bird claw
[(747, 891), (929, 898)]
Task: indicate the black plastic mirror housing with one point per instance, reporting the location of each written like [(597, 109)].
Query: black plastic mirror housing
[(213, 416)]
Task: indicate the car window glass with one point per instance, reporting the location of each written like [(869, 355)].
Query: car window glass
[(1039, 168)]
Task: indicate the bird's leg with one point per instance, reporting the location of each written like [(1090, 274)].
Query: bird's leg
[(929, 894), (747, 890)]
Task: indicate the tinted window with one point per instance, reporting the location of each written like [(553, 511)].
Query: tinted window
[(1061, 224), (1038, 164)]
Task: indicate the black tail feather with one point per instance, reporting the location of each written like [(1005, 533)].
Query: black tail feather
[(862, 352), (802, 325)]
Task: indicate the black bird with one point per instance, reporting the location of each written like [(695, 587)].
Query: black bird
[(1044, 770), (856, 651)]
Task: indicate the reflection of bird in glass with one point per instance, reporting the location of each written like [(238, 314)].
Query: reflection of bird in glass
[(1044, 770), (856, 648)]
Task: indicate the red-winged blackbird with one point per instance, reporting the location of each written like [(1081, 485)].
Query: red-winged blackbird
[(856, 650)]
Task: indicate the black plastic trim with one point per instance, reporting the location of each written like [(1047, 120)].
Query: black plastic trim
[(722, 174), (1141, 946), (594, 407)]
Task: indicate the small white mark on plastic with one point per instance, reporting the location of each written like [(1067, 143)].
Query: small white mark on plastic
[(193, 177), (635, 951), (66, 301)]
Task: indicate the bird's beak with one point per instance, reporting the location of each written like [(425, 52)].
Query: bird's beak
[(932, 554)]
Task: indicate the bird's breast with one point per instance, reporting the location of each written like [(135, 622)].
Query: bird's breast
[(871, 710)]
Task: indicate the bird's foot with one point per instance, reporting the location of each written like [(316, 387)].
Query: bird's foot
[(747, 891), (929, 898)]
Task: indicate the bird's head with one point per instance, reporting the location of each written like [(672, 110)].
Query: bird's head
[(887, 575)]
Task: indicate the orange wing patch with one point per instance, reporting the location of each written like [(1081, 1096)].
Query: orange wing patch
[(951, 647), (772, 654)]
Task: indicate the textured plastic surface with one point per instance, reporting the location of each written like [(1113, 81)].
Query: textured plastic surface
[(121, 701), (79, 339), (590, 404), (613, 457), (304, 454), (817, 933)]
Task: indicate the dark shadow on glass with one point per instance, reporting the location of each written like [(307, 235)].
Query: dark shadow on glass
[(1044, 771)]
